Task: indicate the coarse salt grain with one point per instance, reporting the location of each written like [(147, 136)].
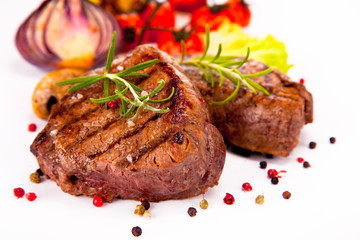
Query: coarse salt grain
[(130, 123), (53, 132), (144, 93), (129, 158)]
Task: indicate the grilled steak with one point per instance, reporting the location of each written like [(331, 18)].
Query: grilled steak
[(259, 123), (87, 149)]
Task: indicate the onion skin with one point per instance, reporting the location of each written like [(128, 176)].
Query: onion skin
[(67, 33)]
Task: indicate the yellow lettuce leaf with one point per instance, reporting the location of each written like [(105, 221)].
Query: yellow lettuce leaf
[(235, 42)]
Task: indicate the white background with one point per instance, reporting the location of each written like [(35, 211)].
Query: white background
[(322, 38)]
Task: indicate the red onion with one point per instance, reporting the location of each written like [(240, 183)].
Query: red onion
[(67, 33)]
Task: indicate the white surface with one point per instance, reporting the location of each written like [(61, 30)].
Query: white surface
[(322, 39)]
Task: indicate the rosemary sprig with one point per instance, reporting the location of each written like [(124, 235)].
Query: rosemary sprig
[(139, 100), (225, 66)]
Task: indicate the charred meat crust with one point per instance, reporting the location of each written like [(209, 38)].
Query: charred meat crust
[(259, 123), (89, 150)]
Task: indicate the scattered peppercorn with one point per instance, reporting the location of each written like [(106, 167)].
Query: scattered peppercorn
[(229, 199), (273, 173), (306, 164), (32, 127), (40, 172), (312, 145), (302, 81), (146, 204), (147, 214), (139, 210), (192, 212), (263, 164), (97, 201), (19, 192), (35, 177), (31, 196), (113, 104), (204, 204), (300, 160), (332, 140), (260, 199), (136, 231), (247, 187), (275, 180), (286, 194)]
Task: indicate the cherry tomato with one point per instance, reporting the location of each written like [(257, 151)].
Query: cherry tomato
[(130, 25), (187, 5), (236, 11), (163, 18), (193, 44)]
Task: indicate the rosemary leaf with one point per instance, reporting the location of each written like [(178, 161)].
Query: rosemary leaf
[(137, 67), (212, 79), (77, 80), (105, 99), (106, 89), (165, 99), (217, 54), (137, 74), (262, 73), (86, 83), (257, 86), (156, 109), (111, 53), (207, 43), (231, 96), (155, 91)]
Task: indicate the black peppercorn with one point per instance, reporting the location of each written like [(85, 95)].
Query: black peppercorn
[(40, 172), (146, 204), (306, 164), (136, 231), (312, 145), (192, 212), (275, 180), (263, 164), (332, 140)]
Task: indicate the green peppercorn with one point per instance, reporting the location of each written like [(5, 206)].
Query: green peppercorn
[(147, 214), (260, 199), (204, 204), (35, 177), (139, 210)]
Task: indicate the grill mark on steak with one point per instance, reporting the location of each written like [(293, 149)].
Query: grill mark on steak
[(266, 124), (137, 130), (111, 158)]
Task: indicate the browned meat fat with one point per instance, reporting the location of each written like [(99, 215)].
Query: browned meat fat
[(89, 150), (259, 123)]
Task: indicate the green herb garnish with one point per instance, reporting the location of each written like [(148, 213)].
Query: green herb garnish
[(225, 66), (123, 86)]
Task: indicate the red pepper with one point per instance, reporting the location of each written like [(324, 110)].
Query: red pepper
[(236, 11), (187, 5)]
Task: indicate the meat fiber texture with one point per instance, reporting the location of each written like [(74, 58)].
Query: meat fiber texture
[(87, 149), (256, 122)]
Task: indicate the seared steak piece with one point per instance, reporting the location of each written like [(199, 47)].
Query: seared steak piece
[(259, 123), (89, 150)]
